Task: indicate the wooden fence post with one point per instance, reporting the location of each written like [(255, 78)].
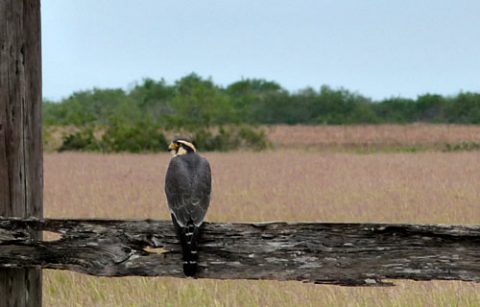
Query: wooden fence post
[(21, 170)]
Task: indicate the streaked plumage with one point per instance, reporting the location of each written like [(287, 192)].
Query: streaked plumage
[(188, 189)]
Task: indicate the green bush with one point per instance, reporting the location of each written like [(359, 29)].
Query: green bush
[(464, 146), (139, 137), (83, 140), (118, 137), (254, 139), (230, 138)]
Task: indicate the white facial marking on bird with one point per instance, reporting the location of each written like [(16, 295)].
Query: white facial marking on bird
[(181, 147), (187, 144), (181, 151)]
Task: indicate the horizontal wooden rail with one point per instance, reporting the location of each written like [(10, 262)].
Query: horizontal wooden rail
[(331, 253)]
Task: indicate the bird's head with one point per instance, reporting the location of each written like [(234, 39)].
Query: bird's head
[(181, 146)]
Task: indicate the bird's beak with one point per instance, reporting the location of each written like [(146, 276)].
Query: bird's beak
[(172, 148)]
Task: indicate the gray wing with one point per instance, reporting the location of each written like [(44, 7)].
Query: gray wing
[(188, 188)]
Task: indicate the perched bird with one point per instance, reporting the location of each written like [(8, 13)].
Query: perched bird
[(188, 187)]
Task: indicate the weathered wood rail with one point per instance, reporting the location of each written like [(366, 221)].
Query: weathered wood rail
[(331, 253)]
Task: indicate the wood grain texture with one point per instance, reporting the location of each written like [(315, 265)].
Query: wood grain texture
[(21, 174), (330, 253)]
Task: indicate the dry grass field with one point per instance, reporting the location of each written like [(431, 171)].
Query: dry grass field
[(286, 184), (373, 136)]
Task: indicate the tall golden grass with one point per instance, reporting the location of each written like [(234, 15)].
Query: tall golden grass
[(294, 185)]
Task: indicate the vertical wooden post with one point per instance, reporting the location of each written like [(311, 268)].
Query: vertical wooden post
[(21, 165)]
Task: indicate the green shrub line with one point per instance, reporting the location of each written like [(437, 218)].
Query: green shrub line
[(145, 137), (148, 137), (463, 146)]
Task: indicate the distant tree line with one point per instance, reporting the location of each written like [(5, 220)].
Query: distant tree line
[(194, 101), (224, 118)]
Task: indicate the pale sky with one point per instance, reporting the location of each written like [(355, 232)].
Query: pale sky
[(379, 48)]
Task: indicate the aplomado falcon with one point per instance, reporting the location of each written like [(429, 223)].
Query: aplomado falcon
[(188, 186)]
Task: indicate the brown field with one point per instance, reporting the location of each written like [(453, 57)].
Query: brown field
[(287, 184), (277, 185), (427, 135)]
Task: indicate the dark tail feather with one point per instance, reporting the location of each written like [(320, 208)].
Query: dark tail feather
[(188, 237), (190, 251)]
